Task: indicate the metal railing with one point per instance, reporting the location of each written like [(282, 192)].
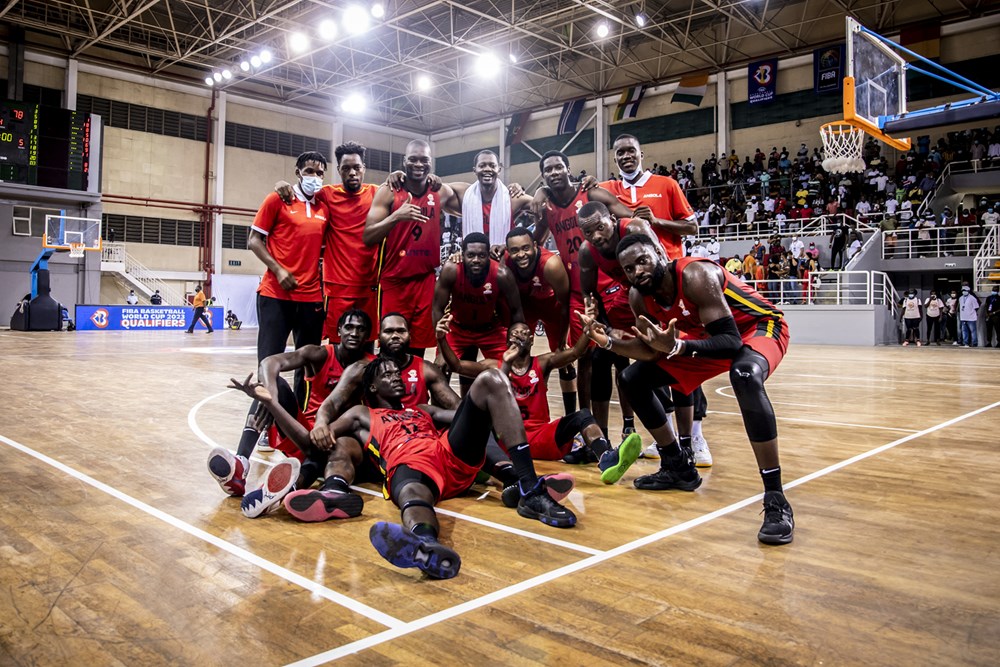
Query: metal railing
[(985, 269), (115, 253), (941, 242), (822, 225), (831, 288), (969, 167)]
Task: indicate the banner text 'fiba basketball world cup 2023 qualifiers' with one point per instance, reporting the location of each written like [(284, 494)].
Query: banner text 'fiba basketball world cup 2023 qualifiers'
[(145, 318)]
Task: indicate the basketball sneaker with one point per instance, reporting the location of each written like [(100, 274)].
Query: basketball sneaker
[(580, 453), (699, 447), (404, 548), (664, 479), (651, 452), (313, 505), (558, 485), (229, 470), (264, 442), (778, 520), (538, 504), (278, 481), (615, 462)]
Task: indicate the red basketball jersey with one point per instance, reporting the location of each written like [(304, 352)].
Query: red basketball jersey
[(568, 236), (322, 384), (531, 393), (754, 314), (413, 381), (413, 248), (392, 430), (611, 267), (535, 288), (475, 307)]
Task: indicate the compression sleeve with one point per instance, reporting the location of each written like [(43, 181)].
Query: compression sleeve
[(723, 343)]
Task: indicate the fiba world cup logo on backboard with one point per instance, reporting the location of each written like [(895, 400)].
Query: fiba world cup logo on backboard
[(100, 318)]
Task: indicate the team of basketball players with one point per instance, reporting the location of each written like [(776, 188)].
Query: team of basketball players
[(618, 293)]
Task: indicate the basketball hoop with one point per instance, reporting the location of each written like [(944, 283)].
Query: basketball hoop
[(842, 145), (76, 249)]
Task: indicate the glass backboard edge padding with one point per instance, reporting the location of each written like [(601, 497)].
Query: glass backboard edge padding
[(852, 118)]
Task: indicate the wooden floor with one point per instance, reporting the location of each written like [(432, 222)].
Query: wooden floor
[(117, 547)]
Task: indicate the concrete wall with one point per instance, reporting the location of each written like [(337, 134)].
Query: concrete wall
[(833, 325)]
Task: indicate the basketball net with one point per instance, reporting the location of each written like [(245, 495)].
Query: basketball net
[(842, 145), (76, 249)]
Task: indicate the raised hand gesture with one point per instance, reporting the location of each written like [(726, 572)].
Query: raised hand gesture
[(652, 335)]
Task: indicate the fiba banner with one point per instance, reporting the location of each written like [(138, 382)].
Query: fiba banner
[(144, 318), (762, 81), (828, 68)]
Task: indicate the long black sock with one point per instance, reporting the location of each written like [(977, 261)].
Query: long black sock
[(629, 422), (520, 456), (685, 443), (247, 441), (600, 446), (676, 460), (336, 483), (309, 473), (569, 402), (772, 478)]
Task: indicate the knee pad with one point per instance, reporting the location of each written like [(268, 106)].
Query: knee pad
[(747, 378), (746, 375), (567, 373)]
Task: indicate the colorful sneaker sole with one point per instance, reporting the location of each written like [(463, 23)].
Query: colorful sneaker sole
[(278, 481), (403, 549), (228, 471), (628, 453), (559, 485), (315, 505)]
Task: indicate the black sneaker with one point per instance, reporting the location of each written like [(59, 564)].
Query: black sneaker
[(778, 520), (557, 486), (403, 548), (664, 479), (538, 504)]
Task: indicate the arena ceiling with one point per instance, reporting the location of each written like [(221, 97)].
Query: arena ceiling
[(558, 53)]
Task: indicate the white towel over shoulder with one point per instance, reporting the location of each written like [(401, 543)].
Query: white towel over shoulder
[(472, 213)]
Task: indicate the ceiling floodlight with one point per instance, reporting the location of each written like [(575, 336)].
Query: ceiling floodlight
[(513, 58), (356, 20), (298, 42), (265, 56), (255, 61), (209, 81), (354, 103), (227, 75), (487, 65), (603, 30), (424, 82), (641, 19), (378, 11), (327, 29), (217, 77), (245, 66)]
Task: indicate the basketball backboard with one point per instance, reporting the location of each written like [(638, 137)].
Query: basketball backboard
[(874, 85), (68, 233)]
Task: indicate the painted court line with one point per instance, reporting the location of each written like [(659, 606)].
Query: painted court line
[(286, 574), (825, 423), (471, 605), (860, 381), (193, 425)]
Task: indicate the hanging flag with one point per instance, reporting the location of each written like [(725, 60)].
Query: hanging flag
[(922, 39), (828, 68), (515, 130), (691, 90), (628, 104), (762, 81), (570, 116)]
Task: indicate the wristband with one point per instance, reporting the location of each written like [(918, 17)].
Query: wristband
[(608, 346)]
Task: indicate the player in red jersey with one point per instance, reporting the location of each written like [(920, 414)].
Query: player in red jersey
[(323, 366), (350, 272), (478, 288), (549, 439), (543, 285), (424, 466), (728, 328), (407, 224), (288, 238), (557, 215)]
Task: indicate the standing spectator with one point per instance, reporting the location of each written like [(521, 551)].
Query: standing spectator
[(156, 299), (838, 243), (797, 248), (993, 317), (990, 217), (199, 310), (911, 317), (933, 307), (951, 318), (131, 299), (968, 315), (855, 247)]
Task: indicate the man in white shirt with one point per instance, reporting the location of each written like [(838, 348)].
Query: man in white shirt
[(131, 299), (991, 217), (891, 205), (906, 213), (863, 207), (713, 249), (751, 214), (797, 248)]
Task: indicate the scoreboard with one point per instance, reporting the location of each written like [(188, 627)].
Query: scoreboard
[(45, 146)]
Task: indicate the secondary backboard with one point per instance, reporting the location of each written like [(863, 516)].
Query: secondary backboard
[(68, 233)]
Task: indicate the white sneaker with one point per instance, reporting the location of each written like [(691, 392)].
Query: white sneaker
[(264, 442), (277, 483), (702, 457), (650, 452)]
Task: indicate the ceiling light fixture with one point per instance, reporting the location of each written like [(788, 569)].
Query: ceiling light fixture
[(513, 58), (356, 20), (603, 30), (378, 11), (641, 19), (245, 66), (354, 103), (327, 29), (227, 75), (255, 61), (424, 82), (217, 77), (209, 81), (487, 65), (265, 56), (298, 42)]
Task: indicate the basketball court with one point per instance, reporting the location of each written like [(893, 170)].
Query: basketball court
[(120, 549)]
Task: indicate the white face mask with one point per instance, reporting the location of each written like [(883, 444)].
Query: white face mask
[(310, 185)]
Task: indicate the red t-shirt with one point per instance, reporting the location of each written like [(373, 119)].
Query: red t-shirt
[(568, 236), (346, 259), (473, 307), (665, 199), (294, 239), (531, 393), (413, 248)]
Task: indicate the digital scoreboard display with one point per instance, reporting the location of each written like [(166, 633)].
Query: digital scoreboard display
[(45, 146)]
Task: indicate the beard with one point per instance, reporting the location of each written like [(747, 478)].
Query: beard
[(653, 285)]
